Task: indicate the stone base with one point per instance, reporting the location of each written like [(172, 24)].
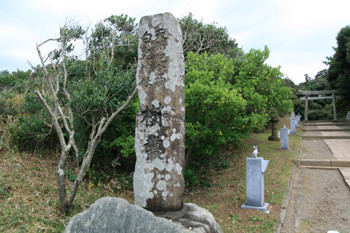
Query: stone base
[(261, 208), (192, 217), (286, 149), (110, 214), (272, 138)]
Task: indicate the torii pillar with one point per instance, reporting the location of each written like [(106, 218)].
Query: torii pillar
[(306, 107), (334, 107)]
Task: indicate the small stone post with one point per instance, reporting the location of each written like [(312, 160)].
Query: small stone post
[(334, 106), (160, 124), (274, 136), (306, 107), (292, 123), (298, 117), (284, 138), (256, 167), (296, 122)]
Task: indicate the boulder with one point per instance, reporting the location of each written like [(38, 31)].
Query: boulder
[(110, 214)]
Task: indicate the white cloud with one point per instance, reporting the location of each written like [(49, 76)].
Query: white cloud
[(299, 33), (296, 65)]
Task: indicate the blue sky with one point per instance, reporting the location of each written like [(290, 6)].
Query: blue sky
[(300, 33)]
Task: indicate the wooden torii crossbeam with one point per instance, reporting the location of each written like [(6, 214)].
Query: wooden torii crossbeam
[(321, 95)]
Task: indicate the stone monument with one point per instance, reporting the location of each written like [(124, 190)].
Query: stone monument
[(348, 116), (292, 125), (284, 138), (256, 167), (160, 123)]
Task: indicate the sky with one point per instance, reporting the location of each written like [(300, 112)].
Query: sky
[(300, 34)]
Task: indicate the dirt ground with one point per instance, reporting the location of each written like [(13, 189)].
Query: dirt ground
[(320, 199)]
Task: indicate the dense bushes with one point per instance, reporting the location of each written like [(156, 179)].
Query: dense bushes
[(228, 98)]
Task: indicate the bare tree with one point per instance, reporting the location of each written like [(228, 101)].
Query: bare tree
[(53, 76), (200, 37)]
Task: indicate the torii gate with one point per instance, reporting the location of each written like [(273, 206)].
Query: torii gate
[(321, 96)]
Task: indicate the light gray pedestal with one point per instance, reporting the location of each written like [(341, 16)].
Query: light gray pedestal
[(255, 184), (284, 138), (298, 117)]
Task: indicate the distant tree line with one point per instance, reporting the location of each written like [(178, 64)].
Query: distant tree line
[(336, 76)]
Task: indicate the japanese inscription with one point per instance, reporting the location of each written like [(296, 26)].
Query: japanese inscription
[(154, 144), (153, 59)]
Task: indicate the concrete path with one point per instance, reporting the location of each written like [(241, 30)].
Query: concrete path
[(319, 200), (336, 135)]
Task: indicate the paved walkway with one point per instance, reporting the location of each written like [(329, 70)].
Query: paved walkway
[(339, 147), (337, 137), (326, 130), (319, 197), (341, 150)]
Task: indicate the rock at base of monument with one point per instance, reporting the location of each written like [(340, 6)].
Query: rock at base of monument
[(193, 217), (261, 208), (271, 138), (110, 214)]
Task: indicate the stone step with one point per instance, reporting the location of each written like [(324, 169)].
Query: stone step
[(327, 124), (323, 121), (311, 137), (316, 129), (323, 163)]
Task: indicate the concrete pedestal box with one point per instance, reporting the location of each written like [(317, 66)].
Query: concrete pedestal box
[(256, 168), (292, 125), (284, 138)]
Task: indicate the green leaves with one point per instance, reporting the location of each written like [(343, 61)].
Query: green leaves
[(338, 74), (228, 98)]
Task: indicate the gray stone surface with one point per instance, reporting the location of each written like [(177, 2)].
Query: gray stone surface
[(292, 125), (256, 168), (110, 214), (193, 217), (348, 116), (284, 138), (160, 124), (298, 117)]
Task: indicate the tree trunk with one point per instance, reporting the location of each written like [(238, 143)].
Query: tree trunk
[(61, 184)]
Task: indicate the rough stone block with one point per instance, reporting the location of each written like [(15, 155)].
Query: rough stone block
[(160, 124), (114, 215)]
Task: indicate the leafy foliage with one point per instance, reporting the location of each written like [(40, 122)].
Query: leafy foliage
[(18, 80), (339, 65), (226, 98), (199, 37), (229, 93)]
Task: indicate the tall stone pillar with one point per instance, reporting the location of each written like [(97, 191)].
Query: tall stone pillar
[(306, 107), (160, 123)]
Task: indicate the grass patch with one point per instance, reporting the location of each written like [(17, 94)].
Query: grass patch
[(228, 191), (29, 198)]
